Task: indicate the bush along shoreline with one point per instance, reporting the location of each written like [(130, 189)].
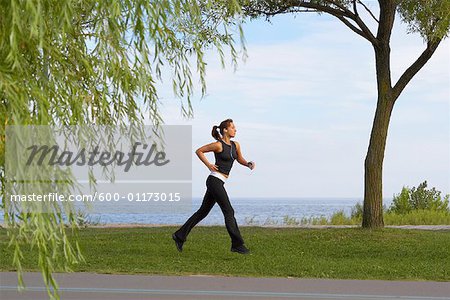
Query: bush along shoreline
[(412, 206)]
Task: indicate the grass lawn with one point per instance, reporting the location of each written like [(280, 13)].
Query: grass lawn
[(351, 253)]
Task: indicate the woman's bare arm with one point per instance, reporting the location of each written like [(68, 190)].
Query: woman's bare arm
[(212, 147), (241, 158)]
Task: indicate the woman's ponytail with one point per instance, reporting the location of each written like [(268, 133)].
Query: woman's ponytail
[(215, 133), (224, 124)]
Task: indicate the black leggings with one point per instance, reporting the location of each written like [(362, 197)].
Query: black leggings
[(215, 193)]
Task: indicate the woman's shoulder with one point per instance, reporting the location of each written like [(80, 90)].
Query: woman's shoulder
[(218, 146), (214, 146)]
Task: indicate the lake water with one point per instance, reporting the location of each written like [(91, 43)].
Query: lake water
[(247, 210), (256, 211)]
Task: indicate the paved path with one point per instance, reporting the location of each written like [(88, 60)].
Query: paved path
[(111, 287)]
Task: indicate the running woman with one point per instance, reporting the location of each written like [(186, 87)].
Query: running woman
[(225, 152)]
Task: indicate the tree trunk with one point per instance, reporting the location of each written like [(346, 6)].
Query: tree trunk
[(373, 165)]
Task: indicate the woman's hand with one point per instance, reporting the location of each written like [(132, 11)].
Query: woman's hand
[(213, 167), (251, 165)]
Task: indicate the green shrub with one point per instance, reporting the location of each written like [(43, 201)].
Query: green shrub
[(357, 211), (85, 220), (418, 217), (322, 220), (339, 218), (419, 198)]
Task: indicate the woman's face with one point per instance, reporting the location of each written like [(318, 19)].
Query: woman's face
[(231, 130)]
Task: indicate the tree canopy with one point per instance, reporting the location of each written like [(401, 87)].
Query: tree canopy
[(65, 62), (431, 19)]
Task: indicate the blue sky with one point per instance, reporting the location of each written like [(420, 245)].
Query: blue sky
[(303, 103)]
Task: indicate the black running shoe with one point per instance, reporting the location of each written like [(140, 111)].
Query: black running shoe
[(241, 249), (179, 243)]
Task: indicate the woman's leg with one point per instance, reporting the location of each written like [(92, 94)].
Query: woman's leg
[(200, 214), (221, 196)]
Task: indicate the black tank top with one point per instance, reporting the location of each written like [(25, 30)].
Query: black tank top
[(225, 159)]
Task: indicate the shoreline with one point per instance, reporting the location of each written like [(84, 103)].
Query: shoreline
[(139, 225)]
